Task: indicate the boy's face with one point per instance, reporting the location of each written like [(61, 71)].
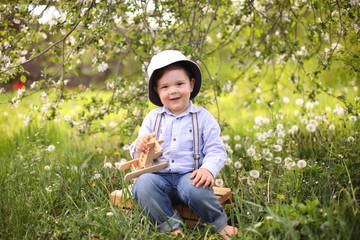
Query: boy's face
[(174, 89)]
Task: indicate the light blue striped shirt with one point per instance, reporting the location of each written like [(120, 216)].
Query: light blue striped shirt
[(178, 140)]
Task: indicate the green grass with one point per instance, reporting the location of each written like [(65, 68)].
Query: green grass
[(64, 193)]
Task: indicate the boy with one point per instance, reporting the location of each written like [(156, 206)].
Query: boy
[(194, 151)]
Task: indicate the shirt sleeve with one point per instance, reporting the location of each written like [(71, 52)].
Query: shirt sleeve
[(214, 150), (146, 127)]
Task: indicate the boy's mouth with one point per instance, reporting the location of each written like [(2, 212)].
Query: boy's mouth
[(174, 99)]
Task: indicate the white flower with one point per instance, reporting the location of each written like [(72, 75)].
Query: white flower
[(310, 127), (26, 120), (328, 109), (260, 137), (277, 159), (101, 42), (288, 160), (279, 127), (123, 160), (265, 151), (225, 138), (304, 121), (309, 105), (254, 173), (280, 141), (219, 182), (281, 134), (107, 165), (352, 119), (47, 168), (290, 165), (301, 163), (277, 148), (286, 100), (295, 128), (268, 157), (332, 127), (2, 90), (228, 161), (237, 138), (109, 214), (48, 189), (351, 139), (299, 101), (103, 66), (237, 146), (250, 152), (237, 164), (314, 122), (50, 148), (117, 165), (126, 147), (97, 175), (338, 110)]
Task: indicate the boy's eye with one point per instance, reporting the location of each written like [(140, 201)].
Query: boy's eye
[(163, 87)]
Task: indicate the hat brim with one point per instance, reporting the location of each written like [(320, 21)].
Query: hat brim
[(192, 67)]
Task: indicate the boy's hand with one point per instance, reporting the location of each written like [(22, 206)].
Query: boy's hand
[(142, 141), (203, 177)]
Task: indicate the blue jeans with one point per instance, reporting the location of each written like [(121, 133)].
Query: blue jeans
[(156, 194)]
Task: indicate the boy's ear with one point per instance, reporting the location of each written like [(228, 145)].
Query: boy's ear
[(192, 84)]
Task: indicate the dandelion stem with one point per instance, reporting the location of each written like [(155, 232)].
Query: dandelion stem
[(268, 188)]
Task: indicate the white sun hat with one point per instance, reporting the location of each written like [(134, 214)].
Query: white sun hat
[(165, 58)]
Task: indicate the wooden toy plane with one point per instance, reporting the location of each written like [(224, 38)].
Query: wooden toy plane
[(145, 163)]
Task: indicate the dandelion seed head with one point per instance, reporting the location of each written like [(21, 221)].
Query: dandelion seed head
[(50, 148), (290, 165), (237, 164), (250, 152), (351, 139), (225, 138), (352, 118), (310, 127), (108, 165), (288, 160), (47, 168), (332, 127), (277, 159), (219, 182), (309, 105), (277, 148), (299, 101), (254, 173), (301, 163), (237, 146)]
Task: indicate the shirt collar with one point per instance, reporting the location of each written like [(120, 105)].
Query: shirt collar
[(191, 109)]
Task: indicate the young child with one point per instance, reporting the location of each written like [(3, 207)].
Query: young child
[(192, 164)]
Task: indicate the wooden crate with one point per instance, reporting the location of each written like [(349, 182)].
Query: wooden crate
[(125, 200)]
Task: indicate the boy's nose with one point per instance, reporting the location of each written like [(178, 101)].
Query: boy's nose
[(173, 90)]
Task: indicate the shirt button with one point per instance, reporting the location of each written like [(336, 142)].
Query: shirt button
[(190, 130), (174, 139), (172, 161)]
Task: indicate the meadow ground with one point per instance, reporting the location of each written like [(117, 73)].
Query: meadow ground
[(294, 169)]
